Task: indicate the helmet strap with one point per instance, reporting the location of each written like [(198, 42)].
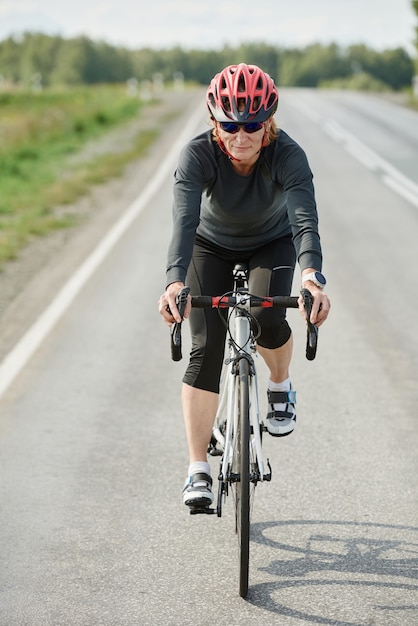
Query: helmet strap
[(222, 145), (266, 135), (225, 151)]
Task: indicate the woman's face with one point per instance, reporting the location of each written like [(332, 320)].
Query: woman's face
[(244, 147)]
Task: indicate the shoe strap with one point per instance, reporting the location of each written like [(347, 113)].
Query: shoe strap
[(280, 415), (281, 397), (201, 477)]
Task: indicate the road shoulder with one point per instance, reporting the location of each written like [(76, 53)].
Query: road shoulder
[(29, 284)]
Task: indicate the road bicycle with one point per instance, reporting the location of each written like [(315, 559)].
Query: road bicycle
[(238, 430)]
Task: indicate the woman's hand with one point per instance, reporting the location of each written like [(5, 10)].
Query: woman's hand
[(320, 307), (167, 304)]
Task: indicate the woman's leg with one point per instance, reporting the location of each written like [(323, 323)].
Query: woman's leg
[(271, 274), (278, 360), (208, 275), (199, 410)]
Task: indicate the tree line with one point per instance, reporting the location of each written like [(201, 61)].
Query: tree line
[(54, 61)]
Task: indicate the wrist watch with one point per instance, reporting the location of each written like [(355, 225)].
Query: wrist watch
[(315, 277)]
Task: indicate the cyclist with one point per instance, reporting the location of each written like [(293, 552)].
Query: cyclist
[(243, 191)]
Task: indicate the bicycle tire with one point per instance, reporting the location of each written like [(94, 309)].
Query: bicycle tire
[(242, 486)]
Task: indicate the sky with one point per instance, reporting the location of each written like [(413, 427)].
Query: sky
[(380, 24)]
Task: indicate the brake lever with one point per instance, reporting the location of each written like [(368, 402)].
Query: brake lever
[(175, 331), (312, 329)]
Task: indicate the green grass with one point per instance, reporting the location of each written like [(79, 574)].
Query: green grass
[(38, 135)]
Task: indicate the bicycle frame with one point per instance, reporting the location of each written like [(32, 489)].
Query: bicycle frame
[(241, 345), (237, 430)]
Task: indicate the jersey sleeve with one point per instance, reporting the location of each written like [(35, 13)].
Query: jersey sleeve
[(193, 171), (295, 175)]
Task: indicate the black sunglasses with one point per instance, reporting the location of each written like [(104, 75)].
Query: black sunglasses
[(232, 128)]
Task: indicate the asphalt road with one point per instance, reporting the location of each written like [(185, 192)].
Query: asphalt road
[(93, 454)]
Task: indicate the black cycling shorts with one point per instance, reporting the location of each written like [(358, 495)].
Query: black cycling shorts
[(271, 269)]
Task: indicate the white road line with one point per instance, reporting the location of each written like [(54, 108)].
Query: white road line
[(17, 358), (391, 176), (400, 188)]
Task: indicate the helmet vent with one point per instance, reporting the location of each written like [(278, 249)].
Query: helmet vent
[(271, 100), (226, 103), (212, 99)]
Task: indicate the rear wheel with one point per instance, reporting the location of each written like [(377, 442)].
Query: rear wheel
[(242, 470)]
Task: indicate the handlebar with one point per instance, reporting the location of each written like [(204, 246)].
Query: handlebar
[(223, 302), (181, 302), (311, 329)]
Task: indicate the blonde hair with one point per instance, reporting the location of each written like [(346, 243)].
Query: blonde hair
[(272, 135)]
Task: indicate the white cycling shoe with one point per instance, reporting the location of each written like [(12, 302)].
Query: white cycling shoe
[(281, 422), (197, 491)]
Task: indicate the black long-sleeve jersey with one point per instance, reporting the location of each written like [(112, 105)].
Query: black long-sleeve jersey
[(243, 212)]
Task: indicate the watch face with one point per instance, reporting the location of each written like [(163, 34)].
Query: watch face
[(320, 278)]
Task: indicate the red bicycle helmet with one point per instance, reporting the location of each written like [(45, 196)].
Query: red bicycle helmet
[(242, 93)]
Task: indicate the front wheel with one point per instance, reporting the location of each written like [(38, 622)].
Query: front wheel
[(242, 471)]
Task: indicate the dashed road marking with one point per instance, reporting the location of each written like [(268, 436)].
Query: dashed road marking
[(390, 175)]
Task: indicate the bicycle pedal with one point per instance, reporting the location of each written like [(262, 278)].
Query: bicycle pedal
[(213, 449), (196, 510), (215, 452), (267, 477)]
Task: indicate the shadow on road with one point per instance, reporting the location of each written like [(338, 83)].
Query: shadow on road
[(329, 569)]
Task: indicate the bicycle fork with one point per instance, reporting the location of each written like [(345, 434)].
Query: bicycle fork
[(224, 437)]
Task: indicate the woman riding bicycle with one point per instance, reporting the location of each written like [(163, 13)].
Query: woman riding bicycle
[(243, 192)]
